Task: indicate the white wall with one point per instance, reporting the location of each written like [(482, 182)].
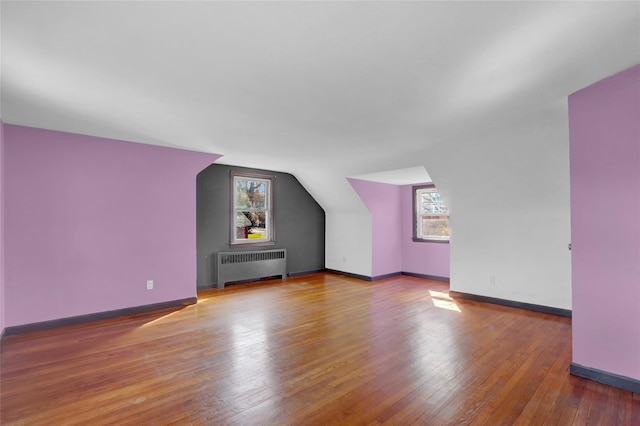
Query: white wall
[(506, 182), (348, 242), (508, 192)]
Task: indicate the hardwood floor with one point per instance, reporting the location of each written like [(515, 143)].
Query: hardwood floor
[(320, 349)]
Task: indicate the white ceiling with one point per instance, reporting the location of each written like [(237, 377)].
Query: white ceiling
[(312, 88), (398, 176)]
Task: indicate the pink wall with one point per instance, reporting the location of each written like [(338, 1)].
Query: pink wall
[(383, 201), (420, 258), (1, 226), (604, 124), (391, 207), (89, 220)]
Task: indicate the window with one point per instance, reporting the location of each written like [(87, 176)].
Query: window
[(431, 216), (252, 209)]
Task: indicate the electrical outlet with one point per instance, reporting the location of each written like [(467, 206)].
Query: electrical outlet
[(492, 279), (149, 284)]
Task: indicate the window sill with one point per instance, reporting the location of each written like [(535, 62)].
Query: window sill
[(423, 240), (253, 244)]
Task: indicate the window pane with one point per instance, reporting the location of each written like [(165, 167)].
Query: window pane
[(251, 209), (435, 226), (251, 193), (251, 224), (431, 214), (431, 203)]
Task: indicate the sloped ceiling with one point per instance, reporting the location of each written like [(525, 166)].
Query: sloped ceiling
[(312, 88)]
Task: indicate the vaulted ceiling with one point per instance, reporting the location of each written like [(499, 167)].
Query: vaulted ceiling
[(313, 88)]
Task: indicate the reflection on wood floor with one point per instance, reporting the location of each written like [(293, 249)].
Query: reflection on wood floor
[(319, 349)]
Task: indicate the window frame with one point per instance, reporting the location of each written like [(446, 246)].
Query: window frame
[(415, 236), (234, 241)]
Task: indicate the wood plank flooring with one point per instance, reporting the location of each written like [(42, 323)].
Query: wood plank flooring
[(320, 349)]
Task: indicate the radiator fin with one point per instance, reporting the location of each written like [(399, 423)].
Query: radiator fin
[(255, 256)]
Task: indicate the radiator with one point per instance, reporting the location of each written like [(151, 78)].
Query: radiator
[(248, 265)]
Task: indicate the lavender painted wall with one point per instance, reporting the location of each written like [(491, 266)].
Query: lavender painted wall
[(605, 223), (89, 220), (383, 201), (2, 303), (420, 258), (391, 207)]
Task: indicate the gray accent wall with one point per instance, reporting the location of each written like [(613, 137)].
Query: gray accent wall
[(299, 222)]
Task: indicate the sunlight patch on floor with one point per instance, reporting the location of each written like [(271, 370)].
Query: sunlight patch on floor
[(443, 300), (158, 320)]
